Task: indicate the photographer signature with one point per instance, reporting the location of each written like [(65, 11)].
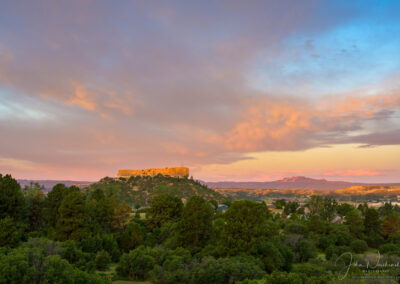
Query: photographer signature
[(348, 257)]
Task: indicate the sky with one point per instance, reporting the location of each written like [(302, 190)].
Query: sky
[(234, 90)]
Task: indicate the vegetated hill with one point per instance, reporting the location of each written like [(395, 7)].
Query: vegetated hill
[(139, 191), (48, 184), (298, 182), (256, 194), (369, 190)]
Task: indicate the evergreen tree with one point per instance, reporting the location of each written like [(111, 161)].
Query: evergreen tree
[(121, 216), (391, 226), (245, 226), (71, 222), (53, 202), (11, 198), (355, 223), (34, 201), (372, 224), (194, 227), (10, 236), (164, 208)]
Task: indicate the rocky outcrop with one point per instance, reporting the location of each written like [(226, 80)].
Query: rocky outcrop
[(173, 172)]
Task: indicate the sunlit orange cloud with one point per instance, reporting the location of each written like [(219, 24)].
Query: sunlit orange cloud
[(290, 125), (362, 106), (103, 102), (82, 98)]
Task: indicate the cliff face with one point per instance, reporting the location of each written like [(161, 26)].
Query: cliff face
[(173, 172)]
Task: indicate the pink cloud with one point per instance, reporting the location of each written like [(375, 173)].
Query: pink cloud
[(355, 173), (83, 99), (297, 124)]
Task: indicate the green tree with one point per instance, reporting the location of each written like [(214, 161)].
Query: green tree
[(164, 208), (372, 223), (386, 210), (11, 198), (279, 203), (329, 209), (31, 265), (34, 201), (391, 226), (316, 224), (322, 206), (102, 260), (355, 223), (363, 208), (121, 216), (270, 255), (226, 270), (245, 226), (304, 251), (174, 268), (10, 236), (15, 268), (194, 227), (344, 208), (291, 207), (137, 264), (101, 210), (315, 204), (278, 277), (132, 237), (372, 227), (389, 248), (71, 223), (359, 246), (53, 202)]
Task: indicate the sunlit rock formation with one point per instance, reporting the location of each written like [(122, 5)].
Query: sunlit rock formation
[(173, 172)]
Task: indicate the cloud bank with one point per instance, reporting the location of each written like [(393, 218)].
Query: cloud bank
[(87, 87)]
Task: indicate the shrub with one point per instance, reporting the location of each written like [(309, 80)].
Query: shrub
[(103, 259), (325, 241), (304, 251), (102, 242), (226, 270), (335, 251), (359, 246), (9, 234), (137, 264), (309, 269), (389, 248), (295, 228), (31, 265)]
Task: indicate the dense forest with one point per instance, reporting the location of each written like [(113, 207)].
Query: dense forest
[(92, 236)]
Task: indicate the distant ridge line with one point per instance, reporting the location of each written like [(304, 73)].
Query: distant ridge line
[(298, 182)]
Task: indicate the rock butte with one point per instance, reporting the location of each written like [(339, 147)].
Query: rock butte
[(173, 172)]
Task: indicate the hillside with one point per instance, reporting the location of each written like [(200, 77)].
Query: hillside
[(369, 190), (48, 184), (359, 190), (139, 191), (298, 182)]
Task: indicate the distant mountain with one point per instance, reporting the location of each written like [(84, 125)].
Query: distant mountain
[(297, 182), (48, 184)]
